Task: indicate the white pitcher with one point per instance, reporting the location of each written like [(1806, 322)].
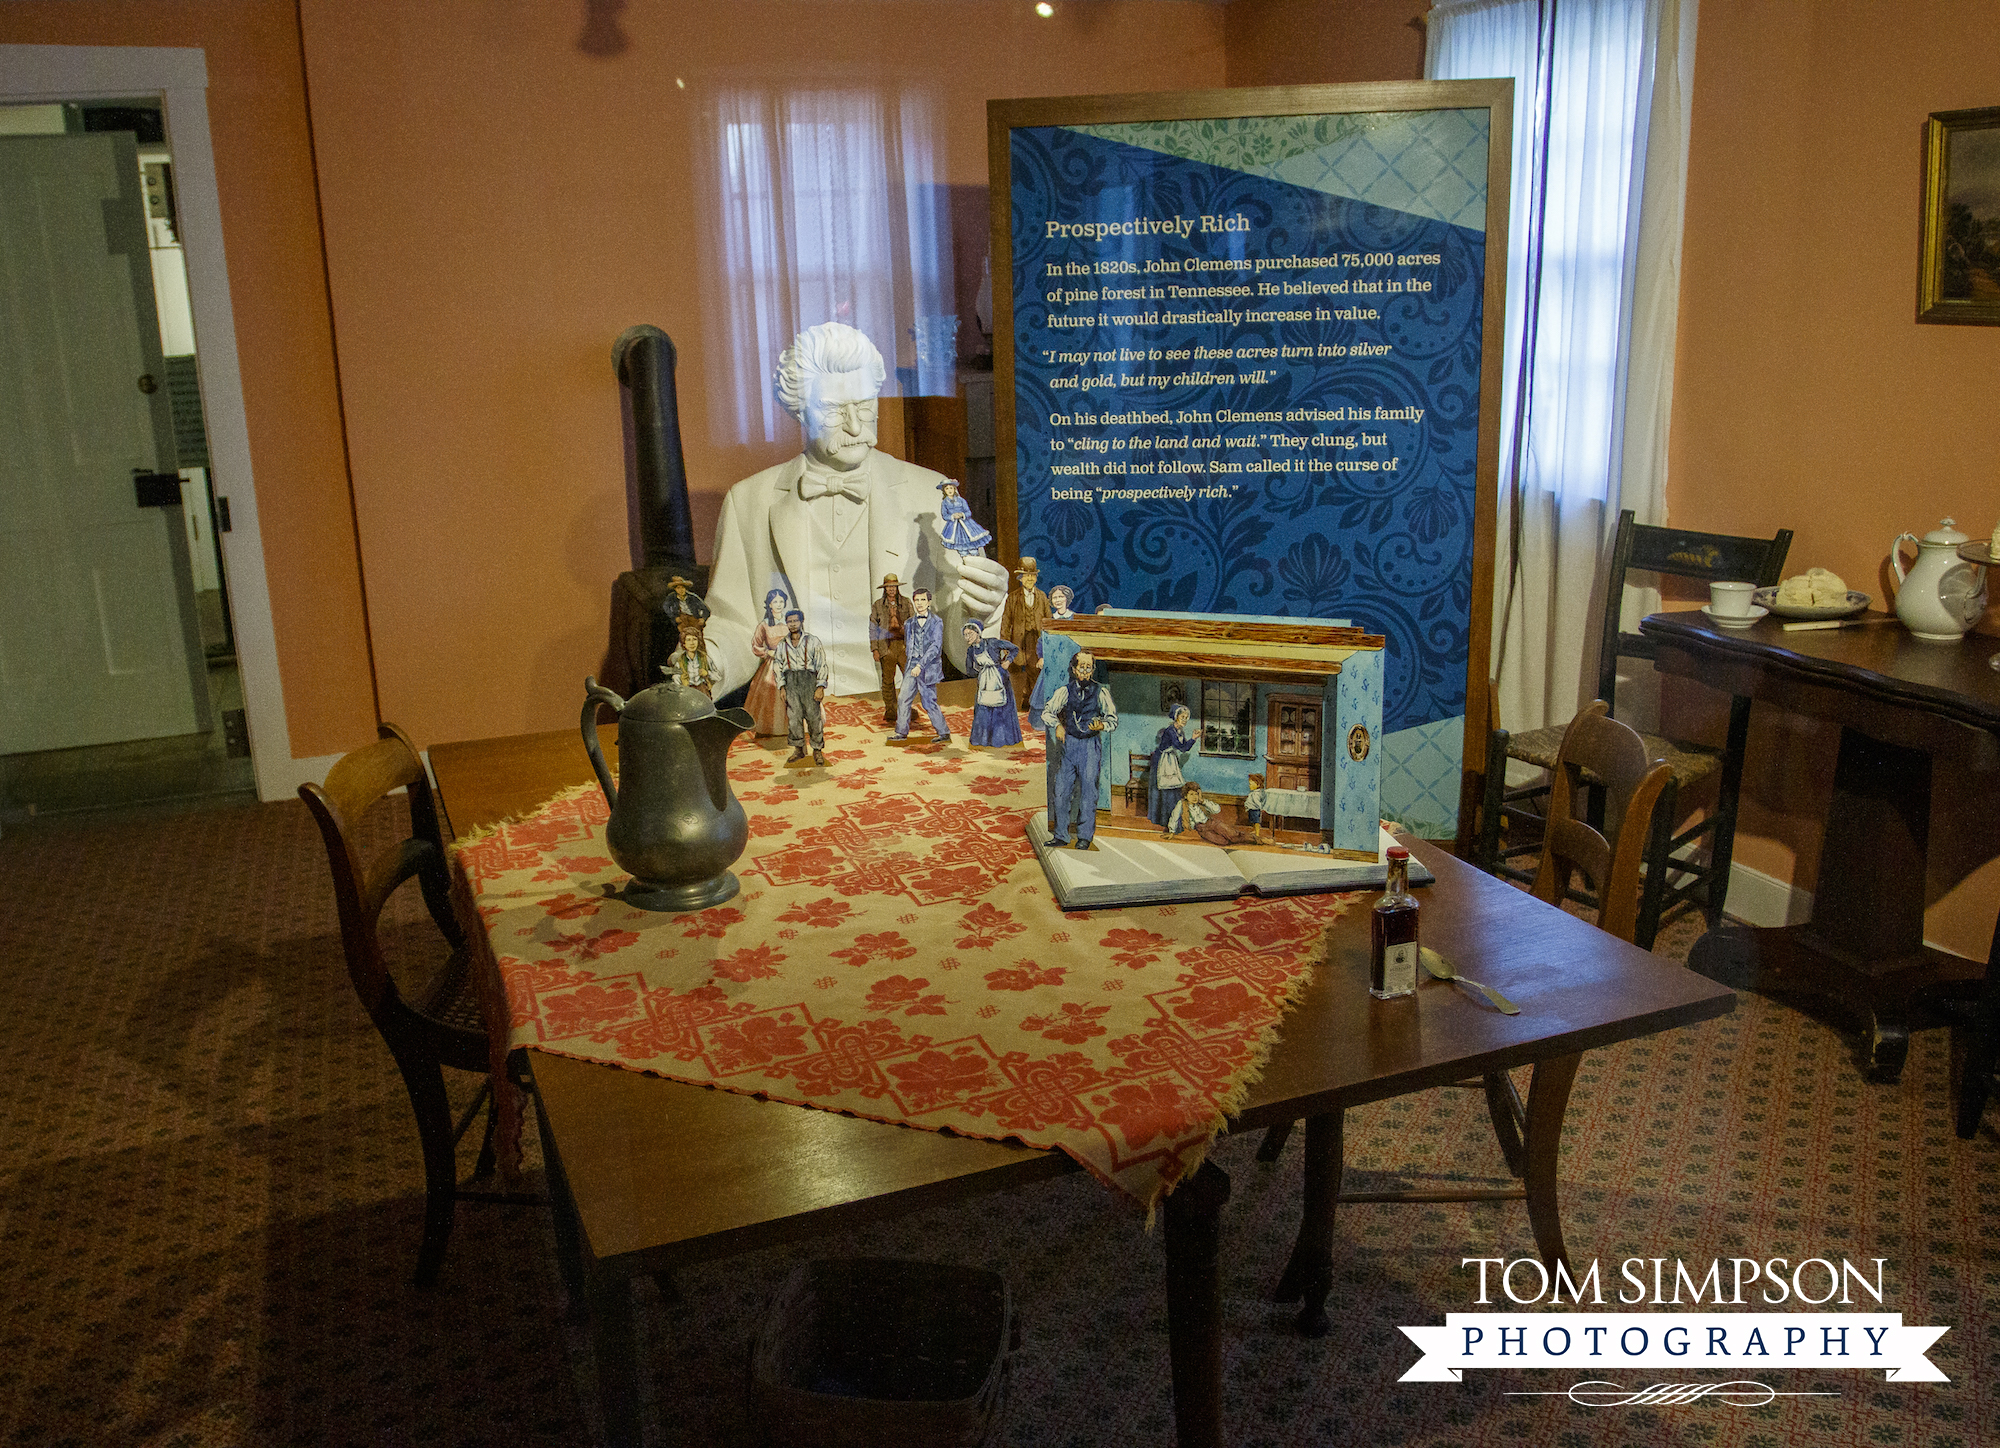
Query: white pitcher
[(1940, 596)]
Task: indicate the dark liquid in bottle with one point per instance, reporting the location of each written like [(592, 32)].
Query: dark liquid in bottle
[(1392, 957)]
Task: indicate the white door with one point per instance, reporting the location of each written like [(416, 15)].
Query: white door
[(98, 639)]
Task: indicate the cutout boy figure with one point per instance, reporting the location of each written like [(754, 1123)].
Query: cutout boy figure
[(691, 664), (801, 662), (1080, 713), (679, 603), (886, 617), (923, 644)]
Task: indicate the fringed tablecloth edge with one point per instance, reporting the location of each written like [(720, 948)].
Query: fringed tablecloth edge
[(493, 1008)]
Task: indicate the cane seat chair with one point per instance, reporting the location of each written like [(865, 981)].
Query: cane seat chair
[(1596, 750), (1681, 553), (437, 1023)]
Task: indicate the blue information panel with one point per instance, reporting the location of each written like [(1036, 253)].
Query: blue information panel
[(1247, 375)]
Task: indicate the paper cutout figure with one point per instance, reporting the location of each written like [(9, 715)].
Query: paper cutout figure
[(765, 700), (923, 642), (886, 617), (692, 664), (962, 535), (1080, 713), (801, 662), (996, 719)]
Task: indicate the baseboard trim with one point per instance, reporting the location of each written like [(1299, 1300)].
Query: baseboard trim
[(1764, 900), (281, 778), (1767, 902)]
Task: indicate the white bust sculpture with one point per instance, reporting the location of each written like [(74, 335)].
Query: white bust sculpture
[(827, 525)]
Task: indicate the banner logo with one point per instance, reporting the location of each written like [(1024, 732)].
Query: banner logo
[(1678, 1341)]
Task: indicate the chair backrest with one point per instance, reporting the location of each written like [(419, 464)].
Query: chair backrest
[(1639, 799), (361, 887), (1709, 557)]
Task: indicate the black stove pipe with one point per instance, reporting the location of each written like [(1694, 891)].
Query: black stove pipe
[(644, 359)]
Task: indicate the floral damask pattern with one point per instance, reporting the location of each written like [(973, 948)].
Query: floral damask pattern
[(895, 953)]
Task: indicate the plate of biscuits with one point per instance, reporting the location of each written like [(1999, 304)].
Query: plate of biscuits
[(1818, 593)]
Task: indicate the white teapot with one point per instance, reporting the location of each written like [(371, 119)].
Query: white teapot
[(1941, 595)]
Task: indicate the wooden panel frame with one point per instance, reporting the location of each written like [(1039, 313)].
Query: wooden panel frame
[(1494, 96)]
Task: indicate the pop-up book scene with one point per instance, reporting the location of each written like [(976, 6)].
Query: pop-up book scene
[(1194, 755)]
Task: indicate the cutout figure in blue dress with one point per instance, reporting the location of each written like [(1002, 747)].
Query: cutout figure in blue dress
[(996, 719), (961, 533)]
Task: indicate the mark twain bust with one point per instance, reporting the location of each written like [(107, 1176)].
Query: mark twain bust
[(830, 522)]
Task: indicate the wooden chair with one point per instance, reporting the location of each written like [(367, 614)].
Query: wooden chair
[(438, 1025), (1138, 773), (1640, 796), (1706, 557)]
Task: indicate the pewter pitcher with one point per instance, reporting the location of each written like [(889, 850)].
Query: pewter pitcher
[(676, 826)]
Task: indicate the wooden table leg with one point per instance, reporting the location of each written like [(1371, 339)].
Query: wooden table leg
[(617, 1356), (1981, 1047), (1548, 1101), (1864, 946), (568, 1230), (1308, 1275), (1194, 1305)]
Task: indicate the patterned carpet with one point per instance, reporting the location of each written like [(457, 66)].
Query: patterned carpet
[(213, 1195)]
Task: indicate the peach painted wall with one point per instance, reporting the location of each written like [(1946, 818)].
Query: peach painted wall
[(1805, 395), (1318, 42), (277, 285), (499, 205)]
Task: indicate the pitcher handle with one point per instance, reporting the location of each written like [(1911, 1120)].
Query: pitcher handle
[(595, 694), (1896, 554)]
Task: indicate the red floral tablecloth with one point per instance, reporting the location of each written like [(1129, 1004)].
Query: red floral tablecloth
[(895, 953)]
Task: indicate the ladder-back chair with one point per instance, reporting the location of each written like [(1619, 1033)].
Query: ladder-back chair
[(1681, 553)]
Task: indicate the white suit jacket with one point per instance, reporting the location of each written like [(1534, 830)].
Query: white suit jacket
[(763, 541)]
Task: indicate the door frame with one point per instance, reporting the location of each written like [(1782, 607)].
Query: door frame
[(179, 76)]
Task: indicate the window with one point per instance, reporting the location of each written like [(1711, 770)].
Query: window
[(1225, 719), (826, 210)]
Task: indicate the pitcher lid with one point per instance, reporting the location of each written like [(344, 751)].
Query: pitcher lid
[(667, 702), (1946, 532)]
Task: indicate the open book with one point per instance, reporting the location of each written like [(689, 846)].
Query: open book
[(1124, 871)]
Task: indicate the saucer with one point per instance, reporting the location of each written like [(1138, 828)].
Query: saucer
[(1744, 622)]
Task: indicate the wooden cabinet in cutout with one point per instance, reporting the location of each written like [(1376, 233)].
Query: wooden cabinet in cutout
[(1291, 748)]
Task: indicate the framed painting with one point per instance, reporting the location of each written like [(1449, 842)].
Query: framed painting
[(1958, 275), (1247, 356)]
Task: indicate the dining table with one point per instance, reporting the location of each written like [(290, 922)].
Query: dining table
[(646, 1173), (1901, 703)]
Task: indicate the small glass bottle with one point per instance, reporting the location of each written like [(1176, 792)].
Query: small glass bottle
[(1392, 959)]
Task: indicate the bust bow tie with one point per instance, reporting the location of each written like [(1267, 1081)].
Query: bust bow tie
[(816, 484)]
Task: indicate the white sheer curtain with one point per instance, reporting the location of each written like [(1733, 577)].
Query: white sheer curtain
[(827, 210), (1602, 91)]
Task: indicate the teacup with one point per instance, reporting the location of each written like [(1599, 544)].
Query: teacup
[(1730, 600)]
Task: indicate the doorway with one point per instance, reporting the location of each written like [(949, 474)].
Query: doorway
[(121, 681), (176, 80)]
